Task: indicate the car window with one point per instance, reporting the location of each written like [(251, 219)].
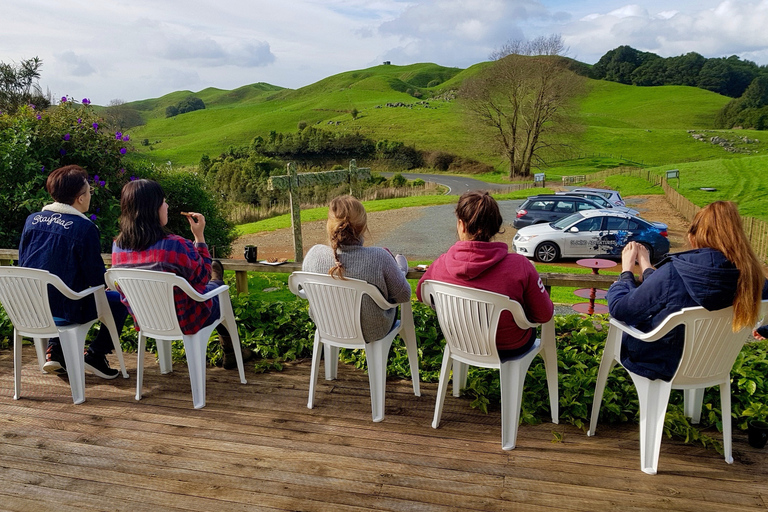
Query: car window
[(564, 207), (566, 221), (540, 205), (633, 225), (598, 199), (584, 206), (592, 224), (615, 223)]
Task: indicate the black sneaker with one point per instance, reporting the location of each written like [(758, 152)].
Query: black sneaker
[(54, 360), (99, 366)]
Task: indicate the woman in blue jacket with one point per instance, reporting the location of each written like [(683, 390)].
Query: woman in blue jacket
[(63, 241), (720, 271)]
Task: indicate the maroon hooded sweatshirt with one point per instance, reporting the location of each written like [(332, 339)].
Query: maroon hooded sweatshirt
[(489, 266)]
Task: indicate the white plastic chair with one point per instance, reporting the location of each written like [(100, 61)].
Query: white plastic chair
[(150, 294), (24, 296), (710, 349), (335, 306), (469, 319)]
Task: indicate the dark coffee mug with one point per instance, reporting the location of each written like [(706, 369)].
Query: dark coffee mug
[(250, 252), (757, 432)]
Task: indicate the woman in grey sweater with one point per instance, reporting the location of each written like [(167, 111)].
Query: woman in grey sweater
[(346, 257)]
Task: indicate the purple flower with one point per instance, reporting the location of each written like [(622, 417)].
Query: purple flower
[(42, 169), (39, 117), (79, 120), (86, 101), (126, 137), (118, 135), (102, 183), (95, 178), (32, 106), (62, 152), (95, 127), (67, 136), (123, 151), (98, 210), (122, 170), (93, 217), (133, 178), (63, 99)]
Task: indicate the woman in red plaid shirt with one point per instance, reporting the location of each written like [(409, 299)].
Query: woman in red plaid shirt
[(144, 242)]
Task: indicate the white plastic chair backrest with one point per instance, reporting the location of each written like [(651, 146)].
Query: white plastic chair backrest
[(469, 318), (24, 296), (335, 303), (150, 295), (710, 347)]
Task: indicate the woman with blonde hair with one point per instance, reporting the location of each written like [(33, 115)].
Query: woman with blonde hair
[(720, 271), (345, 256)]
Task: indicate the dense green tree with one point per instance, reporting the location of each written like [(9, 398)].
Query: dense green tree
[(19, 86)]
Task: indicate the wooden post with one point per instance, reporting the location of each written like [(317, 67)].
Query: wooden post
[(241, 281), (298, 247)]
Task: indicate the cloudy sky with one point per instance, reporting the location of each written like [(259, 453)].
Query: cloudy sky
[(138, 49)]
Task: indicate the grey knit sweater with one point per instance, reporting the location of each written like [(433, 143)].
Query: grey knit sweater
[(373, 265)]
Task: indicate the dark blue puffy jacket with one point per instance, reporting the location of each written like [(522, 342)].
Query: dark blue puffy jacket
[(701, 277), (66, 245)]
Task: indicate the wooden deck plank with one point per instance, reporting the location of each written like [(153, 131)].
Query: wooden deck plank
[(257, 446)]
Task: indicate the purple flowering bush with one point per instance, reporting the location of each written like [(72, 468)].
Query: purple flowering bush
[(33, 143)]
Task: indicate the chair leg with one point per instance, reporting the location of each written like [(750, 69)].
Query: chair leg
[(549, 355), (693, 399), (376, 355), (106, 319), (17, 340), (331, 357), (442, 387), (316, 348), (140, 364), (40, 349), (195, 348), (653, 397), (460, 371), (228, 320), (164, 355), (408, 333), (725, 408), (73, 347), (612, 346), (512, 379)]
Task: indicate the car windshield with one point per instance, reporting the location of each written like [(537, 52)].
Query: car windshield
[(566, 221)]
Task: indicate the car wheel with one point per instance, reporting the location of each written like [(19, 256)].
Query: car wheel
[(546, 252)]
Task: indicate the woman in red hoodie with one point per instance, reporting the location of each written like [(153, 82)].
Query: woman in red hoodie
[(476, 262)]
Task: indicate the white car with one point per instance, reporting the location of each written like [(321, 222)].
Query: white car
[(611, 195), (590, 233)]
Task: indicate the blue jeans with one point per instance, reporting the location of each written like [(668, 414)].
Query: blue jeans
[(103, 343)]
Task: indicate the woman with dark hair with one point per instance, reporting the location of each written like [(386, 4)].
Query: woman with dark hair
[(720, 271), (144, 242), (63, 241), (477, 262), (346, 257)]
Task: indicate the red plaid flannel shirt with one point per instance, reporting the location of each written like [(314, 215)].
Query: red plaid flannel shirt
[(182, 257)]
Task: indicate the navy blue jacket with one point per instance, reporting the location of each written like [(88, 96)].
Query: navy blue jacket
[(701, 277), (66, 245)]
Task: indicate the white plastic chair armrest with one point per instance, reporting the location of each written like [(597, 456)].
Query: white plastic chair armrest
[(70, 294), (195, 295), (667, 325)]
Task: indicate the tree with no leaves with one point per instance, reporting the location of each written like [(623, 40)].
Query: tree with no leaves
[(524, 98)]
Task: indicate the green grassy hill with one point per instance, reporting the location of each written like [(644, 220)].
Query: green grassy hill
[(643, 125)]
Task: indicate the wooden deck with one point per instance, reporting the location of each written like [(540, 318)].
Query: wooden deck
[(257, 447)]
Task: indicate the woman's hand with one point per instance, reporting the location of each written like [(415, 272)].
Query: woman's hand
[(756, 335), (628, 257), (197, 225)]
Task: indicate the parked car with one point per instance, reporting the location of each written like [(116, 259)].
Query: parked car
[(546, 208), (611, 195), (591, 233), (601, 200)]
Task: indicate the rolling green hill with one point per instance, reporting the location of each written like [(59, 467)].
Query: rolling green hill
[(642, 125)]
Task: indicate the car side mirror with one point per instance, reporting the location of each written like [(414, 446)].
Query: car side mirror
[(574, 229)]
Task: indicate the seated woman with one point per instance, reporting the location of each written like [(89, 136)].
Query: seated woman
[(720, 271), (476, 262), (346, 257), (145, 243), (63, 241)]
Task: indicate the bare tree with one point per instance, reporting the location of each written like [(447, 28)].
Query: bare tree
[(120, 116), (524, 98)]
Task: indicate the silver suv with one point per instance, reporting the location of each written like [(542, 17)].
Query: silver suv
[(611, 195)]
